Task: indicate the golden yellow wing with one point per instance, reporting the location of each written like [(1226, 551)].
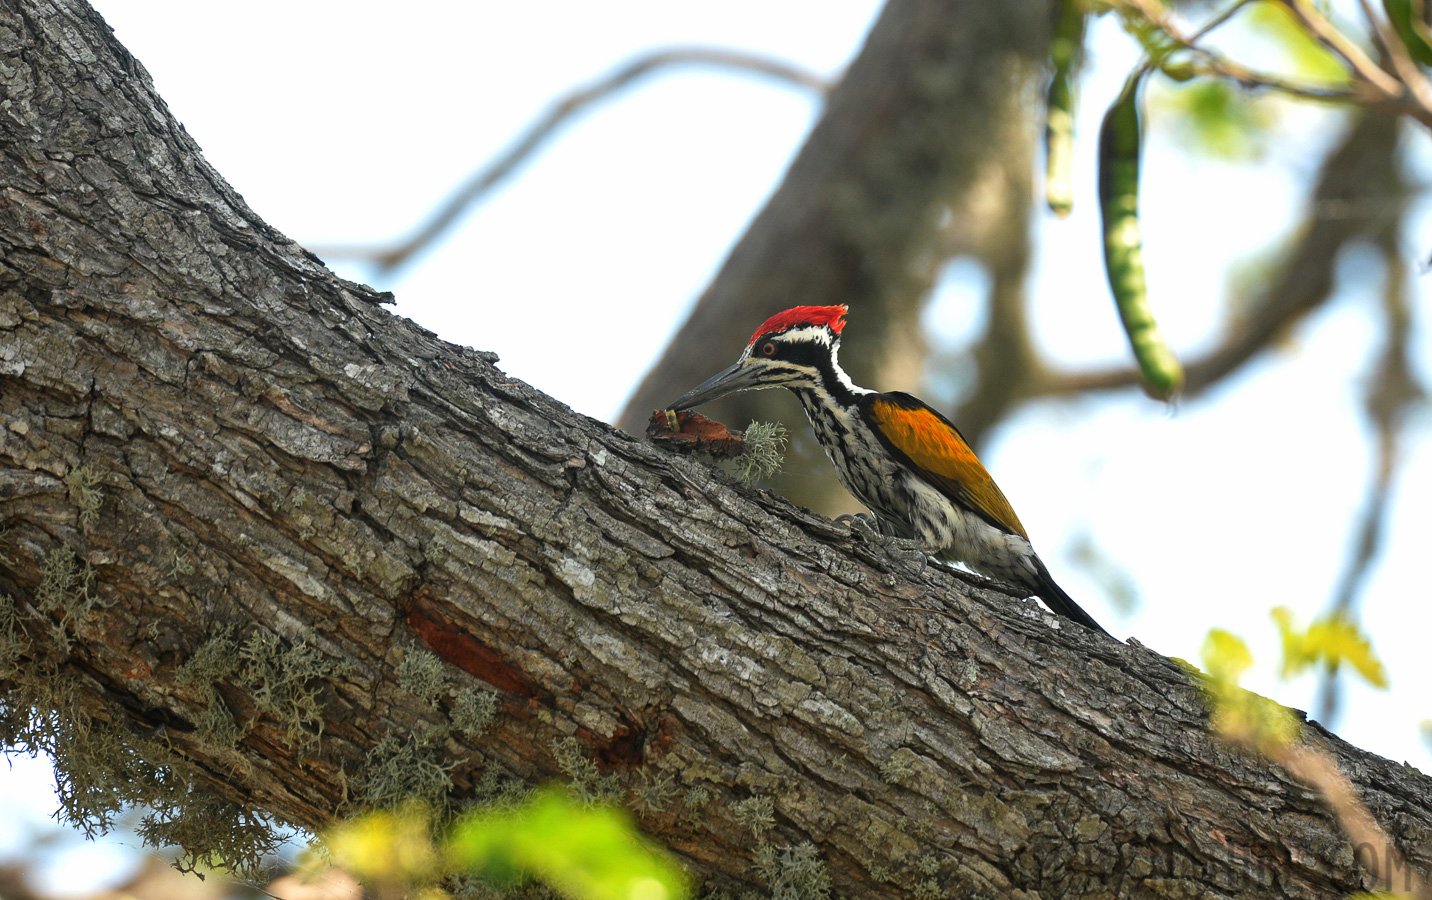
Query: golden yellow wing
[(932, 446)]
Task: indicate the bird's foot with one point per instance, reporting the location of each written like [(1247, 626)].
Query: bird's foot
[(903, 550)]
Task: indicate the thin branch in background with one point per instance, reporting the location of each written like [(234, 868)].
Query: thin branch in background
[(1211, 63), (1396, 53), (1408, 92), (1362, 167), (388, 258), (1391, 397), (1329, 36)]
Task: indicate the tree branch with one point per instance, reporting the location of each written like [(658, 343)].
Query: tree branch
[(268, 546), (1362, 65), (484, 180)]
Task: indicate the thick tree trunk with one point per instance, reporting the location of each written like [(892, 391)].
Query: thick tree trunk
[(240, 499)]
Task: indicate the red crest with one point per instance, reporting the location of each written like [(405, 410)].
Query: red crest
[(833, 317)]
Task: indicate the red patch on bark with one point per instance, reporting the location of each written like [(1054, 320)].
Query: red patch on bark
[(622, 750), (663, 739), (631, 744), (467, 653)]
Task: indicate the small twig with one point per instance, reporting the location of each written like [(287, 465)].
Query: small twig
[(1329, 36), (479, 184), (1251, 80), (1217, 20), (1215, 64), (1396, 53)]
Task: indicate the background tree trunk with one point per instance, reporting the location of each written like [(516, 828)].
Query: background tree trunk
[(922, 152), (241, 503)]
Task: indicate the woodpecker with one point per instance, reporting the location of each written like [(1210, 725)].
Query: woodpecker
[(902, 459)]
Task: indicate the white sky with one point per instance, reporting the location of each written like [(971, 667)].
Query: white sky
[(345, 123)]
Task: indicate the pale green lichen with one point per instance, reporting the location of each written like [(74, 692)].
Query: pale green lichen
[(13, 642), (696, 798), (423, 675), (65, 585), (765, 447), (102, 766), (498, 788), (899, 766), (102, 769), (179, 564), (217, 727), (929, 889), (473, 712), (654, 791), (280, 683), (217, 660), (213, 833), (757, 812), (586, 781), (794, 873), (84, 484), (401, 770)]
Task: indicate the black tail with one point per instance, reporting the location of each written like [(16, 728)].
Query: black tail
[(1058, 601)]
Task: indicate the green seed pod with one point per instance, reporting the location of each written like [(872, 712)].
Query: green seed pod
[(1066, 51), (1119, 150)]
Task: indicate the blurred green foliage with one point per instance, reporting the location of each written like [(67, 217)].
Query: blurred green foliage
[(1302, 54), (1328, 642), (1120, 149), (1239, 715), (582, 851), (1218, 119)]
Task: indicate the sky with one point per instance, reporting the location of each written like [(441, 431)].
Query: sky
[(345, 124)]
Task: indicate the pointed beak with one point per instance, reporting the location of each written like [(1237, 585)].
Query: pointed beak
[(739, 377)]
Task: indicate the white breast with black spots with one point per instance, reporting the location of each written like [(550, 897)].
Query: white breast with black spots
[(861, 462)]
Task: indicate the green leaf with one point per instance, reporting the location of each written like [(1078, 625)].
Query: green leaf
[(1241, 715), (1225, 656), (585, 852), (1328, 642), (1310, 60), (390, 847), (1218, 119)]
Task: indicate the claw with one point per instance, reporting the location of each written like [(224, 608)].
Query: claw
[(875, 531)]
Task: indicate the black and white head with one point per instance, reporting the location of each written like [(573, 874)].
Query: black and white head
[(794, 349)]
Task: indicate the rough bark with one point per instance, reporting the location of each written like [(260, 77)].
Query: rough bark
[(204, 433), (915, 126)]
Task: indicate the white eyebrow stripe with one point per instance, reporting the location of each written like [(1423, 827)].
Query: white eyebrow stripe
[(818, 334)]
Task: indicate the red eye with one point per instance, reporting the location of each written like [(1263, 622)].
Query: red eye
[(768, 349)]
